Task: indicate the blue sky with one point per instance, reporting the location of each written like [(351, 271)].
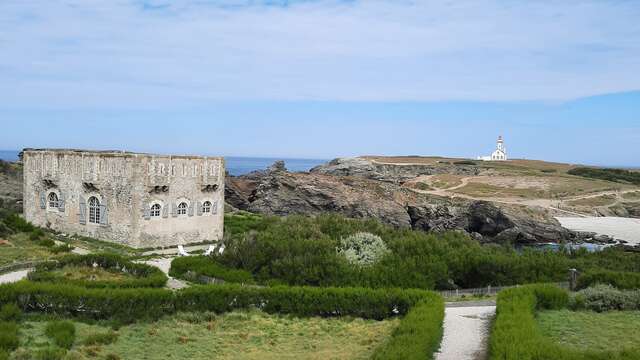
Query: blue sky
[(320, 79)]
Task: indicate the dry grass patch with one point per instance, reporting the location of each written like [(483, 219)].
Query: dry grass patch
[(237, 335), (603, 200)]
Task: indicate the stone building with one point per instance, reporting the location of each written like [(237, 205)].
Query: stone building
[(139, 200)]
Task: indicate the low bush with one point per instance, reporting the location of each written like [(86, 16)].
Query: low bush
[(192, 267), (602, 298), (63, 333), (132, 304), (143, 275), (516, 335), (101, 339), (418, 335), (616, 175), (363, 248), (10, 312), (44, 242), (303, 301), (617, 279), (4, 355), (16, 223), (8, 336), (464, 162)]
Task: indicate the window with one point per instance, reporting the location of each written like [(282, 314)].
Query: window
[(182, 208), (94, 210), (206, 207), (155, 210), (53, 200)]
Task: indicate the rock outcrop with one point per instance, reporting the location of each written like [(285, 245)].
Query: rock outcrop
[(369, 169), (278, 192)]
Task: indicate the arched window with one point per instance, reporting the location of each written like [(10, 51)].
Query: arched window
[(155, 210), (206, 207), (53, 200), (94, 210), (182, 208)]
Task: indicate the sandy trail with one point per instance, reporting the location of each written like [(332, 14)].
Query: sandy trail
[(466, 332), (164, 264)]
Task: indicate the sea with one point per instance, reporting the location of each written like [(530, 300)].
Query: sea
[(236, 165)]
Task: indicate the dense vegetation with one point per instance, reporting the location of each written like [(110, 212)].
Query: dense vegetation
[(146, 303), (304, 251), (615, 175), (192, 268), (516, 335), (139, 275), (618, 279), (602, 298)]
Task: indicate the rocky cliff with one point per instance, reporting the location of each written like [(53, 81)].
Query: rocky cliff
[(367, 192)]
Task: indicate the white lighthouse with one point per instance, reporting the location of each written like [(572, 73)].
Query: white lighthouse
[(500, 154)]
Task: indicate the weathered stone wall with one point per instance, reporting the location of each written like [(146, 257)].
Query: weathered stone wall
[(127, 185)]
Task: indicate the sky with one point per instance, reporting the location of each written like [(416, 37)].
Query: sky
[(322, 79)]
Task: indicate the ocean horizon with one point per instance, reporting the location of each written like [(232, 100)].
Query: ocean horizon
[(236, 165)]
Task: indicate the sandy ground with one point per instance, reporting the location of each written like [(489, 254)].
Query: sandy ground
[(14, 276), (627, 229), (174, 251), (466, 331)]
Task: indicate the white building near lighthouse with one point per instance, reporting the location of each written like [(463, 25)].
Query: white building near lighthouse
[(500, 154)]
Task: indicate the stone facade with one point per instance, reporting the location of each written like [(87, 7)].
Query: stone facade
[(139, 200)]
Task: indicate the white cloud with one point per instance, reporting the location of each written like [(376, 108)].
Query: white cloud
[(123, 53)]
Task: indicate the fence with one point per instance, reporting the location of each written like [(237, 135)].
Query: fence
[(486, 291)]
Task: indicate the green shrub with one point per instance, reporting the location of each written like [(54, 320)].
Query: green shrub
[(464, 162), (126, 305), (615, 175), (8, 336), (122, 304), (418, 335), (303, 301), (50, 353), (363, 248), (112, 357), (192, 267), (16, 223), (143, 275), (620, 280), (605, 298), (300, 251), (44, 242), (4, 355), (10, 312), (101, 339), (63, 333)]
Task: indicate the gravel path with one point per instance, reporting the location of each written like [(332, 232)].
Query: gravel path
[(164, 264), (627, 229), (14, 276), (466, 332)]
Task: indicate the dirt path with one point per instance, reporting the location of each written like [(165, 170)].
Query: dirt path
[(466, 332)]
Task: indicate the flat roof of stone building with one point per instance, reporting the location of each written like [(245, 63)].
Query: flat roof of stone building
[(119, 153)]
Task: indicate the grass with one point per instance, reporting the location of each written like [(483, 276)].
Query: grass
[(22, 249), (72, 272), (585, 330), (594, 201), (237, 335)]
